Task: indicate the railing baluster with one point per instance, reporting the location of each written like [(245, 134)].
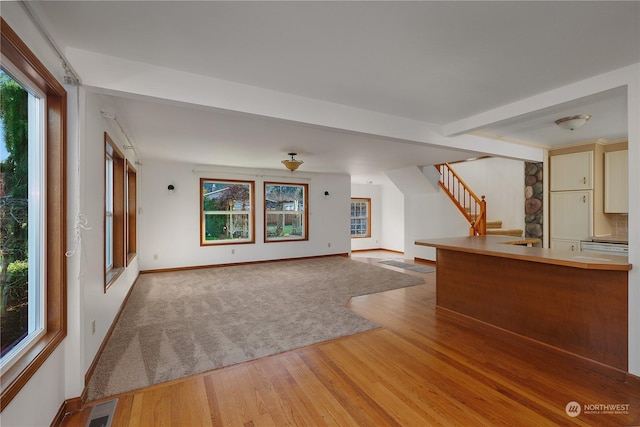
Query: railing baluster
[(467, 202)]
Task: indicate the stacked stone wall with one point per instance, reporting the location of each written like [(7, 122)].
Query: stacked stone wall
[(533, 194)]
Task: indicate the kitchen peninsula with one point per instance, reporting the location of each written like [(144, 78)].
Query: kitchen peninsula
[(572, 301)]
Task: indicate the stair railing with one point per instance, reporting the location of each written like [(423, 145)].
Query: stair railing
[(471, 206)]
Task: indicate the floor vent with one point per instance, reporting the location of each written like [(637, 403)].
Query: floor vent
[(102, 414)]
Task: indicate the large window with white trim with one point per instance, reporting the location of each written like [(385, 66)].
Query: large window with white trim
[(32, 213), (360, 218)]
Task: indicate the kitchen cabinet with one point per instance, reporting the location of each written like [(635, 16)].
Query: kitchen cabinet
[(616, 181), (571, 215), (572, 171), (565, 245)]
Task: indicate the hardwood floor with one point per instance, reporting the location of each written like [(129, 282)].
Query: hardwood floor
[(421, 367)]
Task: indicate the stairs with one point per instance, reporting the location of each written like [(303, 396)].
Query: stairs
[(471, 206), (494, 227)]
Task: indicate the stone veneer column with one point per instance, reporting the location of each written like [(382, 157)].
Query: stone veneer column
[(533, 190)]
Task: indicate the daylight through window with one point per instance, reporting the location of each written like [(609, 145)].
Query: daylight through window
[(21, 216), (227, 212), (360, 218), (286, 210), (114, 212)]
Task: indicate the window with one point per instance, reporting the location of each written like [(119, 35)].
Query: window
[(360, 217), (32, 213), (132, 216), (285, 207), (227, 212), (114, 206), (21, 215)]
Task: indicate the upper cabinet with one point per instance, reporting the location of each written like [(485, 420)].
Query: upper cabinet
[(571, 199), (598, 168), (572, 171), (616, 181)]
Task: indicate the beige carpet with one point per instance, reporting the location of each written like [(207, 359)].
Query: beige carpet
[(177, 324)]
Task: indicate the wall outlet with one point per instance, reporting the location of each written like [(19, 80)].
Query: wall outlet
[(233, 251), (93, 327), (155, 257), (329, 244)]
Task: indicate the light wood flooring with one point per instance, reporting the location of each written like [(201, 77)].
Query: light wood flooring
[(422, 367)]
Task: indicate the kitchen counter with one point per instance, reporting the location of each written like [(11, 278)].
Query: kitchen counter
[(508, 247), (575, 302)]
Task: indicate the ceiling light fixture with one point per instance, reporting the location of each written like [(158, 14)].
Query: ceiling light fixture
[(292, 164), (573, 122)]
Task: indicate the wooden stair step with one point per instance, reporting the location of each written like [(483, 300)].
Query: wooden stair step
[(505, 231), (491, 223), (494, 223)]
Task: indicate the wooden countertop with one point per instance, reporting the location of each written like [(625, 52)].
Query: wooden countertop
[(510, 247)]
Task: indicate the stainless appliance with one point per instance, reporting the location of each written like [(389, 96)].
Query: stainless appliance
[(611, 248)]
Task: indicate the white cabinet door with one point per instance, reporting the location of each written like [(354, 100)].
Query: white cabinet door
[(616, 181), (572, 171), (565, 245), (571, 215)]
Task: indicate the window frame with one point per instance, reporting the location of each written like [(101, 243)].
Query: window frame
[(250, 214), (131, 198), (366, 200), (16, 51), (116, 192), (305, 214)]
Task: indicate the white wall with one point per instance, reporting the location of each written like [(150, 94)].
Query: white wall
[(170, 220), (430, 216), (96, 304), (393, 219), (387, 217), (634, 225), (502, 182)]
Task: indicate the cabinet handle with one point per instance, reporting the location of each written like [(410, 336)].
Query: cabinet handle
[(573, 248), (584, 199), (584, 179)]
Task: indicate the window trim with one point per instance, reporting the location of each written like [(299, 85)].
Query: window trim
[(305, 214), (131, 198), (17, 52), (368, 201), (252, 214), (118, 227)]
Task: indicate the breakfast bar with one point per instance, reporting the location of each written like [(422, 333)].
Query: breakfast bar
[(576, 302)]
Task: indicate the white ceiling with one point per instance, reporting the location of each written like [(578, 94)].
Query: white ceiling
[(436, 62)]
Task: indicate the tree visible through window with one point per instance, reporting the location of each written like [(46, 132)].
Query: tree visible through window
[(19, 313), (227, 212), (285, 208), (360, 217)]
